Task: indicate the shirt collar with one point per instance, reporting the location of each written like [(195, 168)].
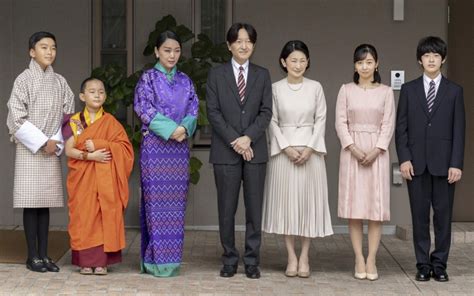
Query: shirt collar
[(169, 75), (35, 67), (427, 79), (237, 65)]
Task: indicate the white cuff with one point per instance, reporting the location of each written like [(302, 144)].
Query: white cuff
[(59, 137), (31, 136)]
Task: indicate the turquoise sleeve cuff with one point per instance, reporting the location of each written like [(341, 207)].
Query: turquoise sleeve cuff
[(162, 126), (189, 123)]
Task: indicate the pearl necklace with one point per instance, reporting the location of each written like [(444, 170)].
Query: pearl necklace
[(294, 89)]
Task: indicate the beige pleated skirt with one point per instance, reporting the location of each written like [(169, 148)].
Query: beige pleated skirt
[(296, 198)]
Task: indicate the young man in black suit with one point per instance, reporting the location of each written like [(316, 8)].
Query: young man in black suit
[(239, 108), (430, 145)]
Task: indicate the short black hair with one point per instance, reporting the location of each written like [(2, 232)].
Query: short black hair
[(291, 46), (84, 83), (233, 32), (431, 44), (360, 53), (38, 36), (167, 35)]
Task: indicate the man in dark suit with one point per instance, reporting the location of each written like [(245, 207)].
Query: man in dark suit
[(430, 145), (239, 108)]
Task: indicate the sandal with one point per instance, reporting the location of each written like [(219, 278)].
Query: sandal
[(86, 270), (100, 271)]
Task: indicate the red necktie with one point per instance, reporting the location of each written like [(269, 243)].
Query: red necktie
[(241, 84)]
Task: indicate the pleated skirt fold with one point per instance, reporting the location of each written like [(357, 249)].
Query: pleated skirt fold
[(296, 198)]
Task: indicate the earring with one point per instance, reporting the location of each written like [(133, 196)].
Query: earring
[(376, 69)]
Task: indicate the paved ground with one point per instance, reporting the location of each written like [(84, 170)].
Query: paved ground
[(331, 263)]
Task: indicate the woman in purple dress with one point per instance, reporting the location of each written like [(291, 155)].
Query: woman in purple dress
[(167, 105)]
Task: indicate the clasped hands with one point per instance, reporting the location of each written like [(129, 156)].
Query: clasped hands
[(406, 168), (50, 146), (179, 134), (99, 155), (365, 159), (241, 145), (298, 157)]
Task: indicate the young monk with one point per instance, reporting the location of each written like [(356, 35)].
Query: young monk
[(100, 163)]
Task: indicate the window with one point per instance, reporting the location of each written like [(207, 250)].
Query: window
[(213, 18), (113, 40)]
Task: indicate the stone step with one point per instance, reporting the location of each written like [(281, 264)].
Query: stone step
[(461, 232)]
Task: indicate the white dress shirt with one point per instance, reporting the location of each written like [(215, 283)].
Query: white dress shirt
[(236, 66), (427, 80)]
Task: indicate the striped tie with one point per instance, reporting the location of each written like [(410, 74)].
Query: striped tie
[(430, 97), (241, 84)]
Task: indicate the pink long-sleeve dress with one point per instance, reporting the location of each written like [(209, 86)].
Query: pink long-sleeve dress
[(366, 118)]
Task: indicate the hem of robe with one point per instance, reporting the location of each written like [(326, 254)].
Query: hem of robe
[(160, 270), (37, 206), (95, 257), (378, 219), (299, 234)]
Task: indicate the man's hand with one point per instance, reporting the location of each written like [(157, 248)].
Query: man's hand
[(248, 154), (304, 156), (50, 147), (371, 156), (241, 144), (454, 175), (357, 152), (406, 168)]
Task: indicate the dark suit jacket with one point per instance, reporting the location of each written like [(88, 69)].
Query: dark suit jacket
[(231, 119), (431, 140)]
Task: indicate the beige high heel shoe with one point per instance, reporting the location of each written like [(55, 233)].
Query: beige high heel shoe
[(304, 274), (359, 275), (291, 273), (372, 276)]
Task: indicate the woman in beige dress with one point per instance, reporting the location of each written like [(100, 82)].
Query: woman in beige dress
[(296, 199), (365, 118)]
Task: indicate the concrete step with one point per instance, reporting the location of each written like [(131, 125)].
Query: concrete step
[(462, 232)]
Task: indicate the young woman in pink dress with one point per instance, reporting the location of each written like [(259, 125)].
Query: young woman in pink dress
[(365, 118)]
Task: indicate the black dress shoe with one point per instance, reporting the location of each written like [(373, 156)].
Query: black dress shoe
[(35, 264), (50, 265), (252, 271), (228, 270), (423, 275), (440, 276)]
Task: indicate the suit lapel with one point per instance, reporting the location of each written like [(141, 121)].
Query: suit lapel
[(230, 79), (443, 86), (421, 95), (251, 77)]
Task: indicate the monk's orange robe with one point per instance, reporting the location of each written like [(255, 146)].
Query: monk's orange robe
[(98, 192)]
